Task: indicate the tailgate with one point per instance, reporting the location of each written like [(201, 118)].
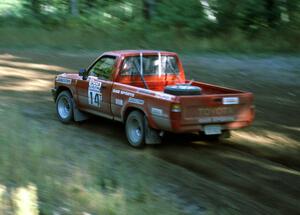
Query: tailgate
[(212, 109)]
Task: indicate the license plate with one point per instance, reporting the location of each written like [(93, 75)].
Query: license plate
[(212, 129)]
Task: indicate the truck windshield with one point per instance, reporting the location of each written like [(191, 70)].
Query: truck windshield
[(152, 65)]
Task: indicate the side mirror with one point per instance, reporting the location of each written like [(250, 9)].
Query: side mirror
[(82, 72)]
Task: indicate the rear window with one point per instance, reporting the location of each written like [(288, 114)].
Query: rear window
[(152, 65)]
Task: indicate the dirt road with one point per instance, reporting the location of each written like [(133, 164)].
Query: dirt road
[(256, 171)]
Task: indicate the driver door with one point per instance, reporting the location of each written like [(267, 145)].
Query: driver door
[(94, 93)]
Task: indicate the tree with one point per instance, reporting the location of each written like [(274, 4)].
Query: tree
[(149, 9), (272, 12), (227, 14), (74, 7), (248, 15), (36, 6), (182, 16), (293, 10)]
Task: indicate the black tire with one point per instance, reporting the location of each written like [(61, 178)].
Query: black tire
[(64, 107), (135, 129), (183, 90)]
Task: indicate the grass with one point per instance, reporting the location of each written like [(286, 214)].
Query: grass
[(127, 38), (65, 181), (61, 169)]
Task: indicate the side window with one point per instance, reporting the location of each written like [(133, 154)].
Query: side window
[(131, 66), (103, 68), (169, 65), (152, 65)]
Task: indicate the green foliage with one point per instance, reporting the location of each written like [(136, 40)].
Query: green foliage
[(180, 16), (171, 20), (66, 181)]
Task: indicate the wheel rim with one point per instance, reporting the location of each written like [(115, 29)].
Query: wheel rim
[(135, 132), (64, 107)]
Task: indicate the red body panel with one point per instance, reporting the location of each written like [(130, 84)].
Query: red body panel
[(123, 93)]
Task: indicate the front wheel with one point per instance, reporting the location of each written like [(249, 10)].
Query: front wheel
[(135, 129), (64, 107)]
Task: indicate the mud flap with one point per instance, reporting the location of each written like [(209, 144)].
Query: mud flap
[(79, 115), (151, 135)]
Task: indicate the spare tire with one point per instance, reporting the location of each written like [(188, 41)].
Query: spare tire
[(183, 90)]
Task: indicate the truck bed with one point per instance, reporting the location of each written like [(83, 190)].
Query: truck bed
[(209, 89), (228, 108)]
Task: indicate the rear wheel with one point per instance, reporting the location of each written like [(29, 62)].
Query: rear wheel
[(135, 129), (64, 107)]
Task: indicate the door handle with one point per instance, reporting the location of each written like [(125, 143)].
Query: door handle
[(104, 86)]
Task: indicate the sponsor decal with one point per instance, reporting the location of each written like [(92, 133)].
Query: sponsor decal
[(164, 96), (119, 102), (121, 92), (63, 80), (116, 91), (136, 101), (230, 100), (219, 111), (217, 119), (157, 111), (94, 92), (127, 93), (144, 91)]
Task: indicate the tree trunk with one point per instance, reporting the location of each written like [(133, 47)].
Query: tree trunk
[(273, 12), (148, 9), (74, 7), (35, 7), (293, 8)]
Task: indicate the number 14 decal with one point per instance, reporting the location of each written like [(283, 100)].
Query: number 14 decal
[(94, 93), (95, 98)]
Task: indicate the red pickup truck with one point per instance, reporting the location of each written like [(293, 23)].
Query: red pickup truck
[(147, 91)]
